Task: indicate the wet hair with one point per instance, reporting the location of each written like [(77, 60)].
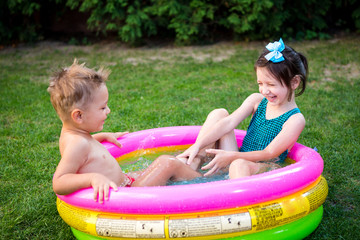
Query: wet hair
[(73, 87), (295, 63)]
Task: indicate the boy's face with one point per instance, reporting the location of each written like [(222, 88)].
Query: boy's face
[(96, 111)]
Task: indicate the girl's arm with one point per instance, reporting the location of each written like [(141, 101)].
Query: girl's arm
[(282, 142), (224, 126)]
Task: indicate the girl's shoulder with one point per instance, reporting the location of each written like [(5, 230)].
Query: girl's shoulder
[(297, 120), (255, 99), (298, 117)]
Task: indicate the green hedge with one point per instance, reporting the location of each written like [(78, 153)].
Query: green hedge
[(187, 22)]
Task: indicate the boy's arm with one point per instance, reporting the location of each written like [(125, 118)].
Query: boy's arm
[(67, 178)]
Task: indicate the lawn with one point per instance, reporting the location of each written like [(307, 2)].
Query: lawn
[(169, 86)]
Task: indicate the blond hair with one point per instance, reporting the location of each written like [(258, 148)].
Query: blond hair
[(73, 87)]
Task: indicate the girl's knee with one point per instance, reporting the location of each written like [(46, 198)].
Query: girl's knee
[(219, 113), (238, 163), (241, 168)]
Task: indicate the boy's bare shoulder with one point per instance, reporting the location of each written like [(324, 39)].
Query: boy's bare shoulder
[(74, 142), (75, 150)]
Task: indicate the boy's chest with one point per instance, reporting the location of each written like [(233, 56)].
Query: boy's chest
[(100, 160)]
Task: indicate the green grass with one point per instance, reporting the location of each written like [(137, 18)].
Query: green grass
[(158, 87)]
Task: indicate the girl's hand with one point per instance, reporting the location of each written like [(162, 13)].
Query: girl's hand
[(189, 153), (221, 160), (101, 186)]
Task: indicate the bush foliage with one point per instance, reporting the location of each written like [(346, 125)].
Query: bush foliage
[(192, 21)]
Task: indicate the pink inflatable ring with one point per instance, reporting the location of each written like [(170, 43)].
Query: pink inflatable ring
[(218, 195)]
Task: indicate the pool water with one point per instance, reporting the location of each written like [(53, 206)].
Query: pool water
[(143, 161)]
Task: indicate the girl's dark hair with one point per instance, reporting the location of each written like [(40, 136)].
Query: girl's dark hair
[(294, 64)]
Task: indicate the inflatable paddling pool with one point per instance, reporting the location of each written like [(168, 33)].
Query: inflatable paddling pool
[(282, 204)]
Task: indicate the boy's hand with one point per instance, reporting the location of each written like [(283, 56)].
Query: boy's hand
[(101, 186), (110, 137)]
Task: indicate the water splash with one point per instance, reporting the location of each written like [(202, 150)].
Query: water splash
[(149, 142)]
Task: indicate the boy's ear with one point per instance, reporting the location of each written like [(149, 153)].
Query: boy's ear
[(295, 82), (77, 115)]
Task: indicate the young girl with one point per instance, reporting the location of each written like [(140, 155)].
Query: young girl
[(276, 120)]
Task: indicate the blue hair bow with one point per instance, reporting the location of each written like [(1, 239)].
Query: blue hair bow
[(275, 49)]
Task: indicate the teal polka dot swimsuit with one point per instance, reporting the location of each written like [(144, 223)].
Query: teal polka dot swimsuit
[(262, 131)]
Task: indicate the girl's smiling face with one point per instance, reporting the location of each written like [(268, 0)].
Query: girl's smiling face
[(271, 88)]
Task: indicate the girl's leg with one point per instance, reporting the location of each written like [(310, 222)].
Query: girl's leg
[(165, 168), (227, 142), (213, 117), (242, 168)]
